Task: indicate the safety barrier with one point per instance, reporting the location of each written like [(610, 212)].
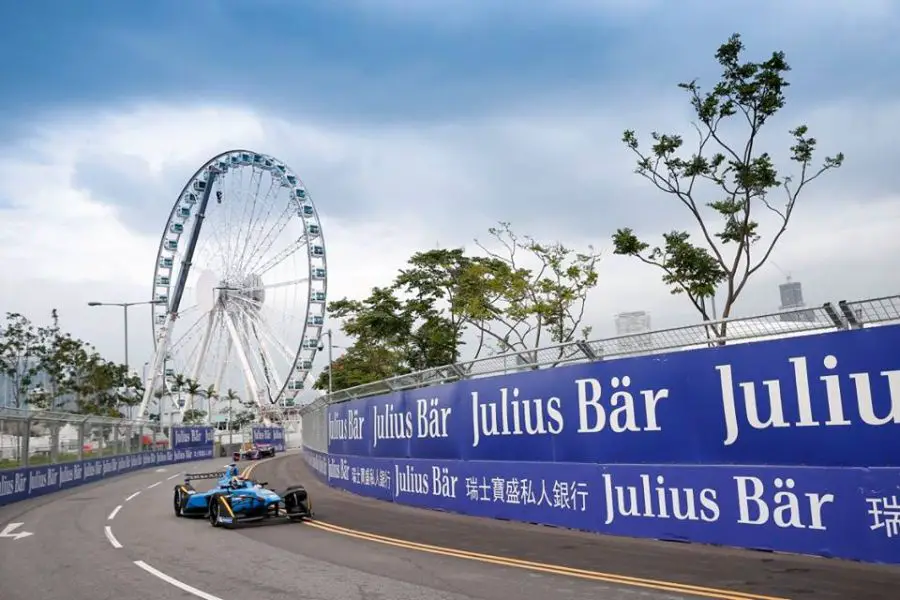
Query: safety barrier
[(268, 434), (786, 444), (42, 452)]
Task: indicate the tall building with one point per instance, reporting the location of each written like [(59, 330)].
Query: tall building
[(628, 323), (791, 293), (629, 326)]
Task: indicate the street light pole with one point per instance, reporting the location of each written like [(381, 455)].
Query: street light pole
[(125, 314), (125, 306), (330, 362), (331, 348)]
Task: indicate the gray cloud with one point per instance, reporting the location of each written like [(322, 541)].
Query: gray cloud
[(551, 161), (142, 200)]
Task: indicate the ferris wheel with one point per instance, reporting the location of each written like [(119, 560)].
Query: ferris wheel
[(240, 284)]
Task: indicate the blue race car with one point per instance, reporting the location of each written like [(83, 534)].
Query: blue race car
[(235, 500)]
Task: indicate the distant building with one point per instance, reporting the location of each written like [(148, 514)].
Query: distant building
[(791, 293), (629, 329), (628, 323), (40, 380)]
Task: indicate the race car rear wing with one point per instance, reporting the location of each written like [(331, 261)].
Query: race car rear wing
[(194, 476)]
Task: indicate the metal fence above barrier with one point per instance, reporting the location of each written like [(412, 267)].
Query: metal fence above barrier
[(39, 437), (798, 322)]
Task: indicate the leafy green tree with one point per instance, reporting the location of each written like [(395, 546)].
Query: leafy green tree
[(192, 416), (393, 335), (731, 177), (439, 290), (362, 363), (525, 307), (58, 359), (420, 320), (20, 352), (242, 418), (102, 386), (453, 292)]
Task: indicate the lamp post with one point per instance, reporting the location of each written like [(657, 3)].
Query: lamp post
[(331, 346), (125, 306)]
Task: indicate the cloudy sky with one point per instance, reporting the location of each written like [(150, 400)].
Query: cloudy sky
[(418, 123)]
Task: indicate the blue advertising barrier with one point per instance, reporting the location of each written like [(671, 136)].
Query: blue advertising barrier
[(30, 482), (788, 445), (845, 513), (192, 436), (829, 400), (265, 434)]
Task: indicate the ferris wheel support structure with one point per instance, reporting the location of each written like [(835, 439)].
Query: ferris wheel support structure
[(204, 345), (238, 346), (155, 372)]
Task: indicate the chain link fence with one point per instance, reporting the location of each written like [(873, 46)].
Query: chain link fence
[(37, 437), (804, 321)]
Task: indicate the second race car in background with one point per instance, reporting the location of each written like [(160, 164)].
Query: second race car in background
[(254, 452)]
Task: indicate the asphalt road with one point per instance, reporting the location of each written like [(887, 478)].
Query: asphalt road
[(743, 572), (149, 553)]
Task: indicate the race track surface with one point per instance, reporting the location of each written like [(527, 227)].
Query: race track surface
[(119, 539)]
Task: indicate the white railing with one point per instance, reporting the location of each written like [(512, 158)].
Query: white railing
[(805, 321)]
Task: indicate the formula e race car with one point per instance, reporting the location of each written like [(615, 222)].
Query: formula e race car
[(235, 500), (254, 452)]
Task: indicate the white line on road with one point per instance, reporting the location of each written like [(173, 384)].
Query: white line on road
[(150, 487), (113, 514), (173, 476), (132, 497), (182, 586), (112, 539)]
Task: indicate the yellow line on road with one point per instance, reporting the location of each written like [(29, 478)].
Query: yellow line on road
[(667, 586), (655, 584)]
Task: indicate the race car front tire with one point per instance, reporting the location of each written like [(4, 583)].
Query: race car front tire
[(296, 497), (216, 504)]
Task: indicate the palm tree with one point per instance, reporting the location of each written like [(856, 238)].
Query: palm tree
[(178, 383), (193, 388), (159, 395), (231, 396), (210, 394)]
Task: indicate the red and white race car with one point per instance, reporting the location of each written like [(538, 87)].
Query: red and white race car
[(251, 451)]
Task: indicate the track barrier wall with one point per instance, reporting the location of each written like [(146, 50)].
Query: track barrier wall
[(268, 434), (788, 445), (189, 443)]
